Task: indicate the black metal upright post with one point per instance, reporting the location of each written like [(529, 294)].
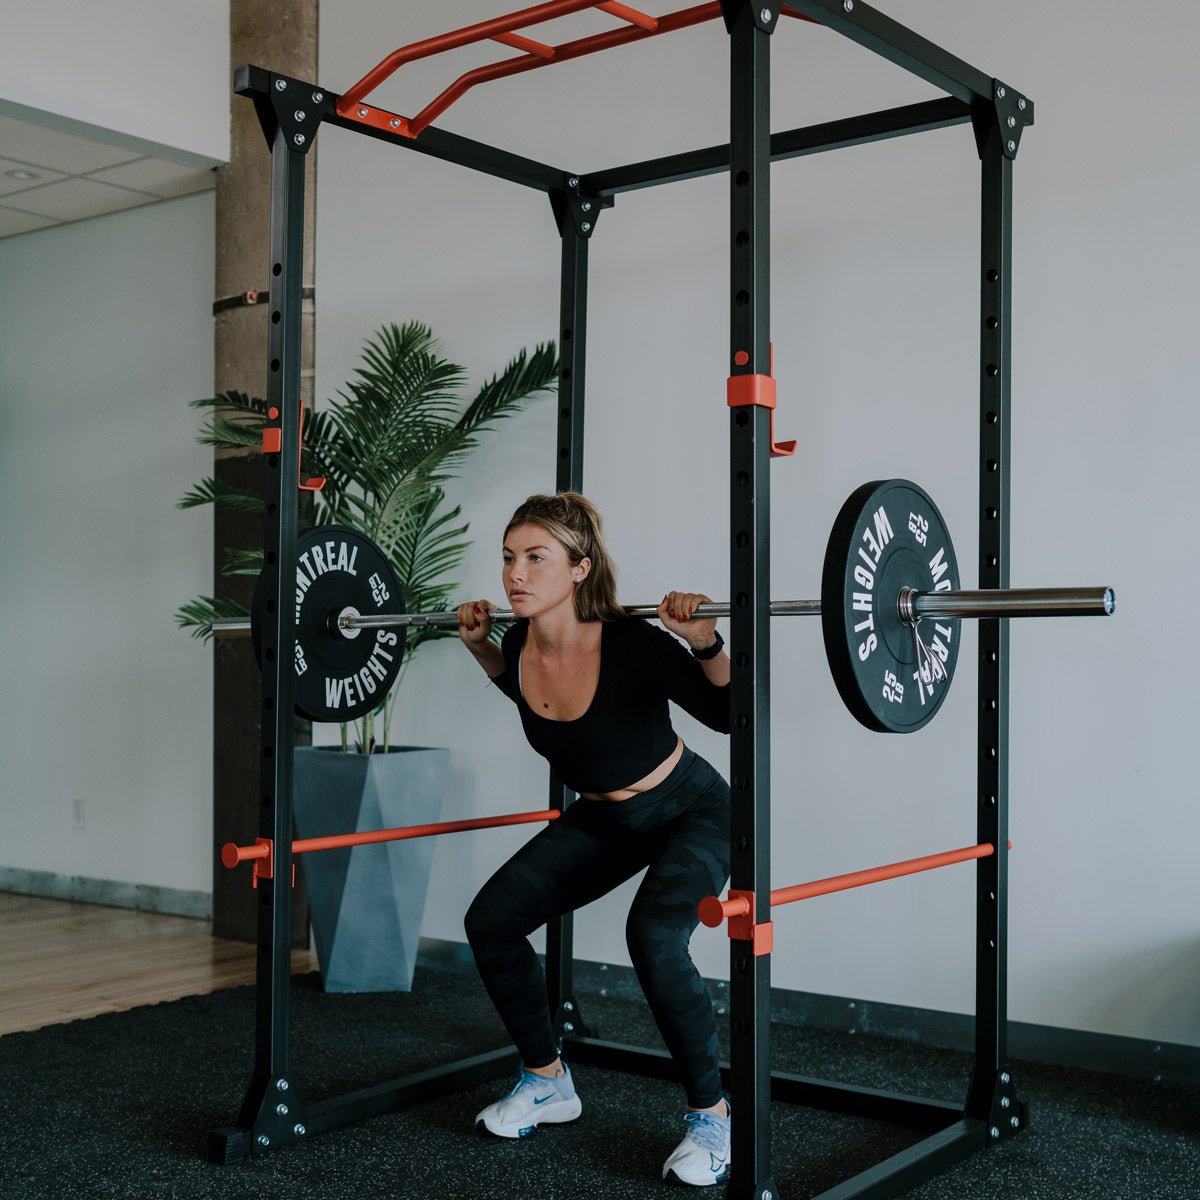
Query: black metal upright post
[(273, 1105), (575, 224), (272, 1112), (750, 578), (991, 1097)]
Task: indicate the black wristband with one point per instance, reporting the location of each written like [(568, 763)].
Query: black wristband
[(710, 651)]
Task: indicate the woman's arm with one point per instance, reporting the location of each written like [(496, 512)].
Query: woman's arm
[(474, 630), (675, 612)]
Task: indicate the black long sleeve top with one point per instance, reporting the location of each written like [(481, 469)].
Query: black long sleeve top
[(626, 731)]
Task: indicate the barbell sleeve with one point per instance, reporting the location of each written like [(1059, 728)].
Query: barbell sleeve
[(1007, 602)]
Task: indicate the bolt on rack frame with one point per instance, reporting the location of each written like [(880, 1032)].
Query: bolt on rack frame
[(274, 1113)]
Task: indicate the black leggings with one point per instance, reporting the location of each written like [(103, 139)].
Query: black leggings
[(680, 831)]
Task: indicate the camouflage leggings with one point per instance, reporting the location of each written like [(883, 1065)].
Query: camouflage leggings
[(679, 830)]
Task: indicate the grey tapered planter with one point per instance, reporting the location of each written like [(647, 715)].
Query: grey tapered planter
[(367, 902)]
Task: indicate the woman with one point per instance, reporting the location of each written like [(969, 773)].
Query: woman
[(591, 686)]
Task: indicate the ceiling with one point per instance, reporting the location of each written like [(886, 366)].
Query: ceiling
[(54, 173)]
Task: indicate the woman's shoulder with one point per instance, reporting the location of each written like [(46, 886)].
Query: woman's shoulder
[(638, 633), (514, 636)]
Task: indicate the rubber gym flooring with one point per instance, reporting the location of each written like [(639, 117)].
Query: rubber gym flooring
[(120, 1106)]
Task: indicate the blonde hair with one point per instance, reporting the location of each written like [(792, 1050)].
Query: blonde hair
[(575, 523)]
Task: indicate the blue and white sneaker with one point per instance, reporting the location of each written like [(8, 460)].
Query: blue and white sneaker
[(534, 1100), (703, 1157)]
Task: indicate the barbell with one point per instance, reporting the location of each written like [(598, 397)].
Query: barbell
[(890, 606)]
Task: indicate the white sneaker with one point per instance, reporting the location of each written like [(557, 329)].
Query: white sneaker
[(534, 1100), (703, 1156)]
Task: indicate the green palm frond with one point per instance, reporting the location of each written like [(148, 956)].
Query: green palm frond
[(216, 491), (500, 397), (199, 614), (387, 444), (242, 562), (431, 545), (233, 401), (235, 422)]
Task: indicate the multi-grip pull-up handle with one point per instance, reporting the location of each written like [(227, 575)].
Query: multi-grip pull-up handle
[(636, 25)]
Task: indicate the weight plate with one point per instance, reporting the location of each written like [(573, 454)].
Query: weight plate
[(887, 536), (339, 677)]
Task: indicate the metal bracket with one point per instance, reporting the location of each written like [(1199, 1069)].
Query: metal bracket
[(284, 103), (1011, 112), (1006, 1113), (280, 1119), (299, 107), (744, 928), (568, 1023), (582, 211), (766, 13)]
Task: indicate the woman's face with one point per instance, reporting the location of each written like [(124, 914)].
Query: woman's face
[(538, 573)]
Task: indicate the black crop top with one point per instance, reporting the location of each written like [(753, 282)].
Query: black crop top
[(626, 731)]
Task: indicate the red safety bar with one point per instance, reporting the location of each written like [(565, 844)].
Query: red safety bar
[(713, 910), (638, 25), (262, 853)]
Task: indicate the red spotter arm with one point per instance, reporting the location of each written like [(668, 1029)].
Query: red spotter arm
[(262, 853)]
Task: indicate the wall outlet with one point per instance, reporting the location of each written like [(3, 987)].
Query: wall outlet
[(77, 813)]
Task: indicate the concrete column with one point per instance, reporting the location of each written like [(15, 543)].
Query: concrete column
[(279, 35)]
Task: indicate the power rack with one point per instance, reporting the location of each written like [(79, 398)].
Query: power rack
[(291, 111)]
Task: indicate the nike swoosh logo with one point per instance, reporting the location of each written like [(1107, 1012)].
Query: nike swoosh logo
[(542, 1100)]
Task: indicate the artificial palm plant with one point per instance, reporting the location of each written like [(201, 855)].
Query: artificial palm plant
[(386, 445)]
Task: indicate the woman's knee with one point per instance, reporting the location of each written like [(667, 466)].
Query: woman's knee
[(496, 915), (656, 944), (475, 922)]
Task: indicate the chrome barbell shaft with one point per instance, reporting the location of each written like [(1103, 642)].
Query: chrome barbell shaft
[(913, 606), (504, 616)]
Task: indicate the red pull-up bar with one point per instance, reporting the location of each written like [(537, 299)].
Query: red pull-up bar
[(262, 853), (713, 910), (536, 54)]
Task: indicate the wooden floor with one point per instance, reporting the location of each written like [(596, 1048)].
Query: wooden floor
[(61, 961)]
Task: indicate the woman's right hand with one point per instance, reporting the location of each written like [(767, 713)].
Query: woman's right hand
[(475, 622)]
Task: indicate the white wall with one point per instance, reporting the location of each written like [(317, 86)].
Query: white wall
[(153, 69), (105, 335), (875, 318)]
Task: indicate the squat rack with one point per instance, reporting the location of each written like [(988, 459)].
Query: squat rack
[(291, 111)]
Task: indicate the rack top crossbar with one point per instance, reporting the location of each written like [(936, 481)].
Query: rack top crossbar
[(638, 25)]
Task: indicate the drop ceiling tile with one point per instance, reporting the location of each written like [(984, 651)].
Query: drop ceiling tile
[(73, 199), (156, 175), (8, 184), (45, 147), (12, 222)]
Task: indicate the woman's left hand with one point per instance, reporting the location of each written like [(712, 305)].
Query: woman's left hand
[(675, 612)]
